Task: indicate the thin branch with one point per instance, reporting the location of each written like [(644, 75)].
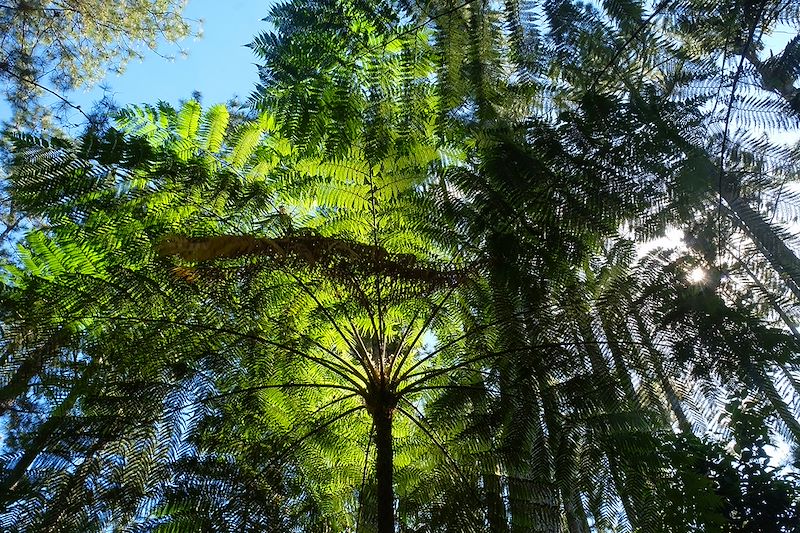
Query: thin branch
[(63, 99), (737, 75)]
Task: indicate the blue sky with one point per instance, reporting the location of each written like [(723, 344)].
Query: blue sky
[(218, 64)]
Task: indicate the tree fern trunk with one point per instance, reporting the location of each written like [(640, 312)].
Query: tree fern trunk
[(32, 365), (631, 501), (573, 508), (763, 381), (620, 366), (45, 433), (787, 320), (495, 507), (382, 417), (780, 256), (672, 397)]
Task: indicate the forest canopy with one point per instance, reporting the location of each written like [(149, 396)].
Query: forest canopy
[(51, 47), (420, 283)]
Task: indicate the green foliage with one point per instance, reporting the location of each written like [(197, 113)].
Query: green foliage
[(418, 231), (711, 488), (50, 48)]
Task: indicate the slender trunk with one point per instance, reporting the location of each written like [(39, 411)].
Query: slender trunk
[(561, 442), (632, 504), (771, 245), (787, 320), (20, 381), (666, 385), (573, 508), (620, 366), (495, 507), (382, 417), (560, 482), (764, 382), (45, 433)]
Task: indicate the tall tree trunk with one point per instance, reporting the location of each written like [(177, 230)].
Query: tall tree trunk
[(495, 507), (382, 417), (20, 381), (666, 385), (634, 505), (558, 441), (771, 245), (45, 433), (573, 508), (620, 366), (763, 381)]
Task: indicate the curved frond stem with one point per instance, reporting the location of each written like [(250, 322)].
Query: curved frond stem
[(418, 336), (154, 284), (323, 348), (412, 390), (449, 343), (364, 299), (381, 355), (345, 370), (365, 361), (245, 390), (330, 318), (765, 292), (44, 433), (430, 374), (394, 370), (417, 27), (293, 445), (430, 435)]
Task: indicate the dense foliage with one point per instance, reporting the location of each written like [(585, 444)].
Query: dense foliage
[(410, 290), (51, 47)]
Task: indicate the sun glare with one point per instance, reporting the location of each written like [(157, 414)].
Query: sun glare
[(696, 275)]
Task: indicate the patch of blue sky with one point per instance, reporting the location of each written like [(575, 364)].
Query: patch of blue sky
[(218, 65)]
